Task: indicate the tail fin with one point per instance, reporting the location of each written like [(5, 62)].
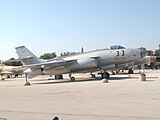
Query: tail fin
[(26, 56)]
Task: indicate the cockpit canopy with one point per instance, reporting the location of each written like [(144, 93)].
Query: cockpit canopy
[(114, 47)]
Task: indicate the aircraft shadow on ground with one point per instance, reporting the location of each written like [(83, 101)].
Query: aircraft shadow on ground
[(65, 81), (120, 78), (46, 81)]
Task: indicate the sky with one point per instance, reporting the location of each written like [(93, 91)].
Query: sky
[(46, 26)]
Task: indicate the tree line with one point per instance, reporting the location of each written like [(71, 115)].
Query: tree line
[(45, 56)]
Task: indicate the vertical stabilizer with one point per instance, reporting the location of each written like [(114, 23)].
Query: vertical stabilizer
[(26, 56)]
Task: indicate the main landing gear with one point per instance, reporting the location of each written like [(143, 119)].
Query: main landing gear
[(92, 75), (130, 71), (58, 76), (105, 75), (71, 78)]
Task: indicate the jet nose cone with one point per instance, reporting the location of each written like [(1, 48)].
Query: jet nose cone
[(143, 53)]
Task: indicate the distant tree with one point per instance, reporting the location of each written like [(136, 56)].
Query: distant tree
[(150, 52), (48, 56), (12, 62), (67, 53), (157, 52)]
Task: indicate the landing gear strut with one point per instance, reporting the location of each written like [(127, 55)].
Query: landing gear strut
[(92, 75), (71, 78)]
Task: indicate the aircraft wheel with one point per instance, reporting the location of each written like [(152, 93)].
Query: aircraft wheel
[(72, 79), (93, 76), (58, 76), (8, 76), (113, 73), (130, 71), (117, 71), (105, 75)]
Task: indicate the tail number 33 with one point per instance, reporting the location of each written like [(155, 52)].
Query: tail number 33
[(119, 52)]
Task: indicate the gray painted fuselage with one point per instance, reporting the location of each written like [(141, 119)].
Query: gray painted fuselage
[(96, 60), (104, 59)]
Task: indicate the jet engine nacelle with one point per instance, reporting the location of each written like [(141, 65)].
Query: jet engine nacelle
[(84, 64), (34, 71)]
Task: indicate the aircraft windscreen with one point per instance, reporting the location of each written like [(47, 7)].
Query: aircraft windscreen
[(114, 47)]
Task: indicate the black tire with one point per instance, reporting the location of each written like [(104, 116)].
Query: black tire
[(58, 76), (72, 79), (105, 75), (130, 71)]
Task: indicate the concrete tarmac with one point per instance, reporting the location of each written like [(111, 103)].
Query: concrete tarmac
[(125, 97)]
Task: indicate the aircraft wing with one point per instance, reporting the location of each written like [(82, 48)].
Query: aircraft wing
[(47, 65), (52, 64)]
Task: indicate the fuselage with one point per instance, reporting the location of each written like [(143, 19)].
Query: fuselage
[(105, 59), (11, 69)]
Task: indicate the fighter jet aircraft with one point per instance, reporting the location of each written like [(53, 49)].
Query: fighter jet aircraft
[(11, 70), (102, 60), (144, 60), (134, 64)]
